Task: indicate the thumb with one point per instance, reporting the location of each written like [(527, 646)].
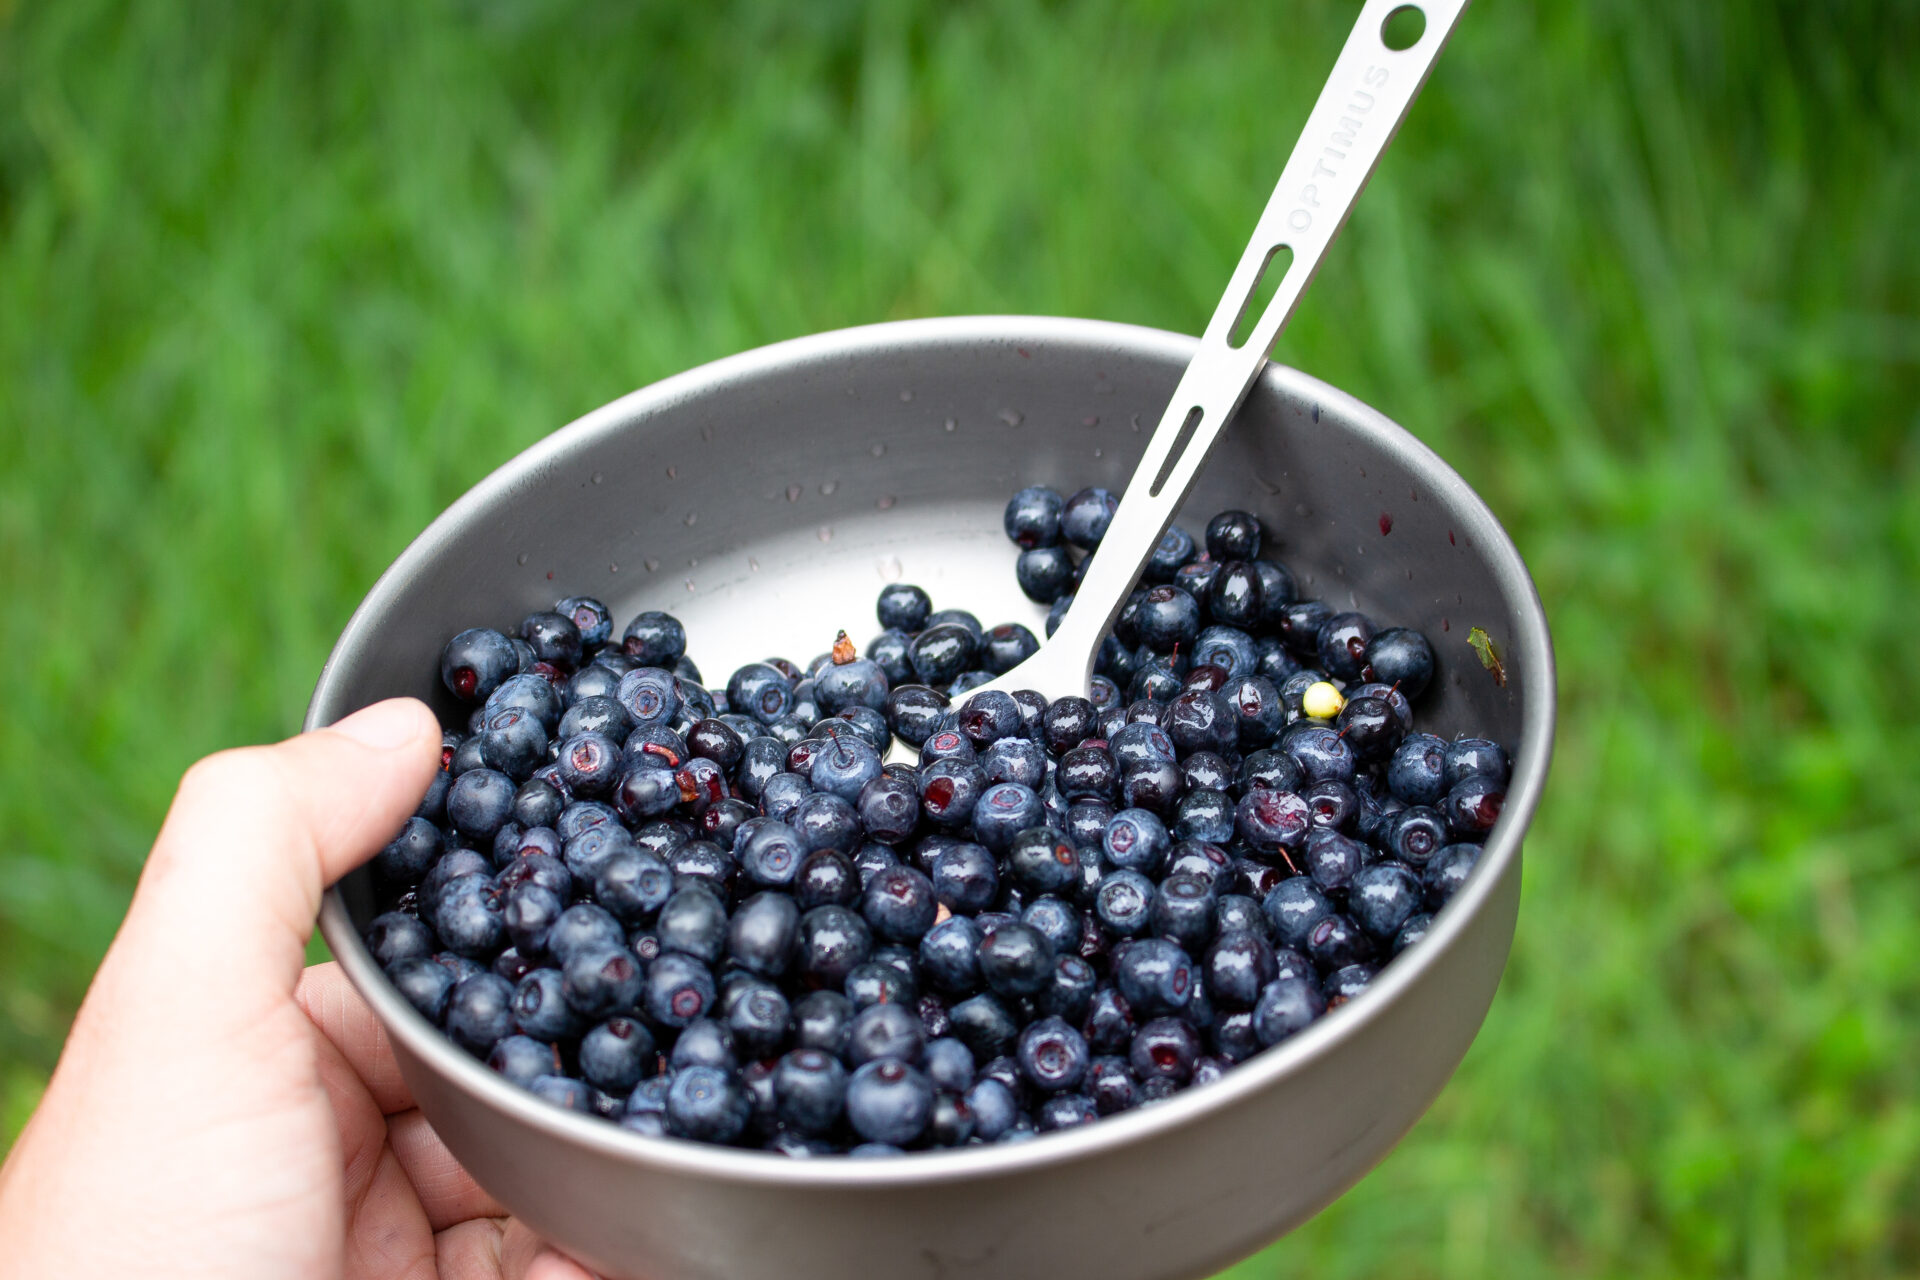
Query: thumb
[(229, 896)]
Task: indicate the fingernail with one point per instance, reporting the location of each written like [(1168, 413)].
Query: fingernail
[(382, 726)]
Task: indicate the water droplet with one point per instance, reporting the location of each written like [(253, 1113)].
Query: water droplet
[(673, 473), (612, 568), (753, 565), (691, 517), (522, 559), (689, 586), (693, 562), (890, 568), (906, 397), (1010, 416), (885, 503), (948, 425), (652, 564), (597, 477), (793, 493), (1090, 421), (1098, 452), (826, 490), (1136, 424), (706, 433), (826, 533), (878, 451)]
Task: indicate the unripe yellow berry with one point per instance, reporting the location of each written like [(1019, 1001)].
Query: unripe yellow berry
[(1322, 701)]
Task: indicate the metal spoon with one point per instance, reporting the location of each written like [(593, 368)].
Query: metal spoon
[(1360, 108)]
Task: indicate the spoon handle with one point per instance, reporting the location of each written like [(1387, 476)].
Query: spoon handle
[(1365, 99)]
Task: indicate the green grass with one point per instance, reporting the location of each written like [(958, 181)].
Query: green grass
[(278, 282)]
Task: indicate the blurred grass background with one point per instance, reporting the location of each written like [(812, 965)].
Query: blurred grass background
[(278, 282)]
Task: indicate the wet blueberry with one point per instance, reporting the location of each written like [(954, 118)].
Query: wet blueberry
[(1123, 903), (677, 989), (1286, 1007), (1473, 806), (1032, 517), (1085, 516), (810, 1088), (1044, 573), (903, 606), (478, 1013), (655, 639), (1164, 1048), (941, 652), (1234, 535), (425, 984), (833, 940), (476, 662), (1448, 871), (707, 1104), (1155, 977), (889, 1101)]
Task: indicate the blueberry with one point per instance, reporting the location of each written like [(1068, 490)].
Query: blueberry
[(591, 620), (595, 712), (1155, 977), (650, 696), (1057, 920), (1196, 576), (844, 766), (869, 860), (763, 933), (761, 691), (1087, 772), (1234, 535), (1226, 647), (1332, 859), (772, 855), (655, 639), (1057, 612), (1032, 517), (1167, 618), (810, 1088), (554, 639), (694, 922), (1017, 760), (410, 854), (898, 904), (781, 794), (523, 1059), (757, 1016), (885, 1031), (1085, 516), (1165, 1048), (678, 989), (825, 876), (1414, 835), (983, 1024), (476, 662), (1200, 720), (583, 927), (466, 916), (1136, 840), (1006, 646), (617, 1054), (528, 692), (1287, 1006), (878, 982), (949, 791), (1273, 823), (528, 914), (707, 1104), (587, 854), (1273, 659), (1123, 903), (602, 982), (1239, 965), (425, 984), (857, 683), (949, 955), (1204, 815), (1182, 910), (1473, 806), (1416, 775), (994, 1109), (478, 1013), (1336, 941), (948, 744), (1331, 805), (1320, 752), (965, 878), (1236, 595), (1447, 871), (941, 652), (1110, 1085), (395, 935), (1411, 932), (833, 939), (1045, 574), (889, 1101), (1053, 1055), (903, 606), (1065, 1111), (480, 802)]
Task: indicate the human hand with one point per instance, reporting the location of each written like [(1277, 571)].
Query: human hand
[(218, 1113)]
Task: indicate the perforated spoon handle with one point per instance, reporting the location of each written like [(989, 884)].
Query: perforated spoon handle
[(1365, 99)]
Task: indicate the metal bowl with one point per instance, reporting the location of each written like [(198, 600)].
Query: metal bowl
[(764, 499)]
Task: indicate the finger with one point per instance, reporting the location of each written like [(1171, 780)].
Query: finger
[(447, 1192), (252, 839), (339, 1013), (502, 1249), (388, 1236)]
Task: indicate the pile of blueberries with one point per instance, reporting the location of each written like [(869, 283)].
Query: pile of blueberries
[(718, 915)]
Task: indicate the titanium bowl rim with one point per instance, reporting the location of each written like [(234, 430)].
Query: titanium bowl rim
[(1267, 1069)]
